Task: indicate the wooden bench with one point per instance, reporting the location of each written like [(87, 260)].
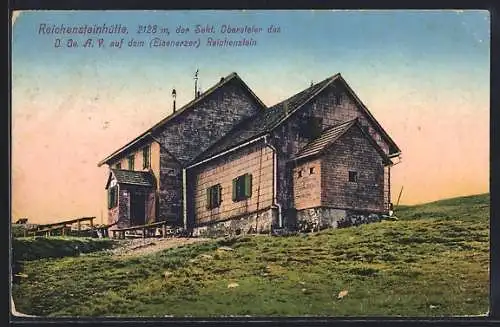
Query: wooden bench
[(145, 230)]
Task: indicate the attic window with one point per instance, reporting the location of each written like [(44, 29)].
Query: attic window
[(311, 170), (299, 174), (338, 99), (311, 127), (131, 160), (353, 176)]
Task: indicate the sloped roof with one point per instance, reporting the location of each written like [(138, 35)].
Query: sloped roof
[(186, 107), (265, 121), (330, 135), (131, 177), (326, 138)]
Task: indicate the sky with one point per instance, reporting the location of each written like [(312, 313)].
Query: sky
[(424, 75)]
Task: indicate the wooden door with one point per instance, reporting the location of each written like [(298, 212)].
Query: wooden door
[(138, 209)]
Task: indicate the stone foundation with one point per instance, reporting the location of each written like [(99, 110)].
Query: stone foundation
[(314, 219), (260, 223)]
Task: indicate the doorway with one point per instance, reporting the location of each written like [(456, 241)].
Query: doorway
[(138, 209)]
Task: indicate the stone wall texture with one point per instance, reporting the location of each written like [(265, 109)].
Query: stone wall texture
[(188, 135), (353, 152), (315, 219), (256, 160), (288, 141), (307, 184), (260, 222)]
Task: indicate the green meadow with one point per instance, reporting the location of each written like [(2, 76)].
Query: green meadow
[(433, 261)]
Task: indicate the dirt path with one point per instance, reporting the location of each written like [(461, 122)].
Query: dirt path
[(138, 247)]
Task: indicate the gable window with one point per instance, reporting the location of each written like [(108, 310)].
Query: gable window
[(145, 157), (118, 165), (353, 176), (112, 197), (311, 127), (214, 196), (338, 99), (131, 160), (311, 170), (242, 187), (299, 174)]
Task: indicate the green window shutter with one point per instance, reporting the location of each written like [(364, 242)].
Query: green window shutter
[(235, 191), (209, 198), (215, 196), (115, 196), (219, 195), (109, 198), (248, 185)]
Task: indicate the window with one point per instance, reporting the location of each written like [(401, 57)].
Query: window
[(311, 170), (338, 99), (353, 176), (214, 196), (311, 127), (118, 165), (131, 162), (145, 157), (299, 173), (242, 187), (112, 197)]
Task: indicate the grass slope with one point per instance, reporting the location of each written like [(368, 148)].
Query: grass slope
[(432, 262), (33, 248)]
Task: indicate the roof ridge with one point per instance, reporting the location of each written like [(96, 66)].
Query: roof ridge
[(327, 82), (331, 78), (176, 113), (267, 119)]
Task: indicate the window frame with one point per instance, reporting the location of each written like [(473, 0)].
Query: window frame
[(112, 197), (242, 187), (311, 127), (214, 196), (146, 157), (131, 162), (338, 99), (353, 173)]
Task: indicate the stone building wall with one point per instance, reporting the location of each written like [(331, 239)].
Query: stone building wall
[(287, 138), (188, 135), (315, 219), (353, 152), (307, 184), (256, 160), (257, 222)]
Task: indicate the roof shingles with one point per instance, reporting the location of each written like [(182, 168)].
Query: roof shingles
[(265, 121), (185, 108), (142, 178), (327, 137)]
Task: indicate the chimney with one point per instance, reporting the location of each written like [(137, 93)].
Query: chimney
[(221, 80), (174, 95), (196, 83)]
